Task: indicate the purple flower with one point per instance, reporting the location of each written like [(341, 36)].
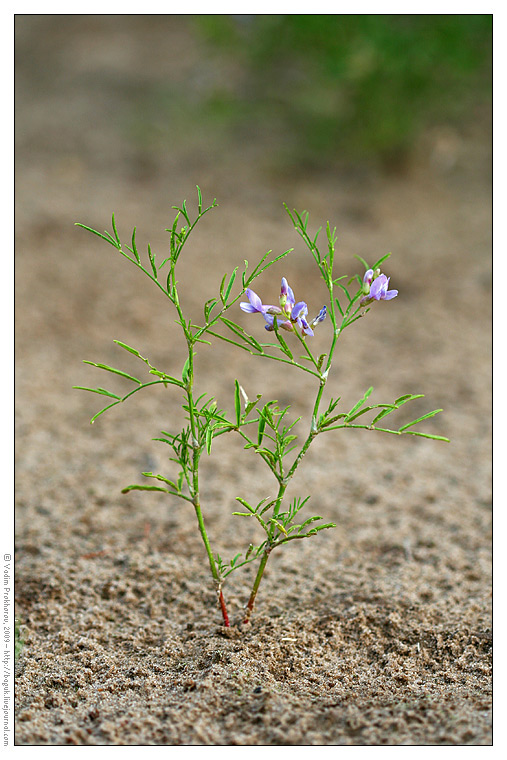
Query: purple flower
[(377, 289), (368, 277), (255, 304), (292, 313), (298, 315), (320, 316), (270, 319), (287, 299)]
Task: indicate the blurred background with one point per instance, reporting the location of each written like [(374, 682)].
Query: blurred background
[(284, 94)]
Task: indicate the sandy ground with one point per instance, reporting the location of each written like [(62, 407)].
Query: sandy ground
[(376, 632)]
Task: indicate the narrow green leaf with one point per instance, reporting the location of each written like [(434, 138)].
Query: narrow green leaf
[(260, 430), (279, 525), (209, 438), (335, 418), (243, 274), (420, 419), (247, 348), (252, 404), (144, 488), (103, 410), (113, 371), (245, 504), (104, 236), (354, 319), (161, 478), (221, 289), (359, 413), (359, 404), (172, 237), (134, 247), (242, 334), (115, 231), (363, 262), (310, 520), (269, 263), (283, 345), (208, 307), (407, 397), (230, 284), (129, 349), (237, 403), (166, 379), (427, 435), (349, 297), (151, 256), (388, 408), (101, 391), (380, 261), (184, 372), (265, 507)]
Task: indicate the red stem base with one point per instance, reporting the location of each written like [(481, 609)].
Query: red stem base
[(224, 609)]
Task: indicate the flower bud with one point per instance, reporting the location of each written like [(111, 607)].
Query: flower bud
[(368, 277)]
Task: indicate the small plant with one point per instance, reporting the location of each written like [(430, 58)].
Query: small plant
[(261, 426)]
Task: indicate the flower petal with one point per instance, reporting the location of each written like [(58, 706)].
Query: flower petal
[(269, 319), (254, 300), (248, 307), (300, 309), (320, 316), (305, 327), (379, 287)]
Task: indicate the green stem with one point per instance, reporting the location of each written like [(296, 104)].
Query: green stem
[(265, 556), (196, 453), (204, 535), (255, 588)]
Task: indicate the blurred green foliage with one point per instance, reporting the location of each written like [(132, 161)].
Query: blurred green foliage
[(348, 86)]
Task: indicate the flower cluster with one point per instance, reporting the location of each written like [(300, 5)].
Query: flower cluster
[(375, 287), (288, 315)]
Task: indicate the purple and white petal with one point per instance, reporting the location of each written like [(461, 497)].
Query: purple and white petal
[(248, 307), (254, 300), (378, 287), (300, 309), (305, 327), (269, 319), (320, 316)]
